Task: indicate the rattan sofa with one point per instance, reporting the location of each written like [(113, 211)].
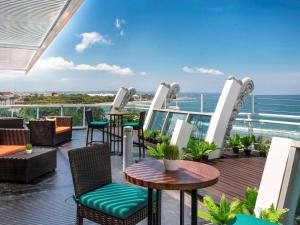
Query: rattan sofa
[(98, 198), (51, 131), (14, 135)]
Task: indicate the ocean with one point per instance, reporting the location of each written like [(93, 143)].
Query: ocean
[(286, 108)]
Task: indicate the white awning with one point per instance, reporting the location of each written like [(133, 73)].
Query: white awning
[(27, 28)]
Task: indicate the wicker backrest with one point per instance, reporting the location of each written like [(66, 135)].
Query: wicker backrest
[(90, 167), (89, 116), (142, 119), (11, 123)]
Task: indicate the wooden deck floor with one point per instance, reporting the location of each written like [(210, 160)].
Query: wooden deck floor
[(236, 175), (48, 200)]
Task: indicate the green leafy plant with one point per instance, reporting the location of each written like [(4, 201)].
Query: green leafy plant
[(151, 135), (249, 201), (164, 151), (29, 146), (171, 152), (161, 138), (247, 141), (262, 146), (222, 214), (197, 150), (157, 152), (273, 215), (234, 143)]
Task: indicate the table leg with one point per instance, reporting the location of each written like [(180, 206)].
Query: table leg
[(150, 206), (194, 207), (181, 207), (158, 207)]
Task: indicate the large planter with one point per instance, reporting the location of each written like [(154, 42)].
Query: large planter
[(171, 165)]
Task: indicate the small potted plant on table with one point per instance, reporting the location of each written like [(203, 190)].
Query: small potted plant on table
[(169, 154), (235, 143), (29, 148), (247, 141)]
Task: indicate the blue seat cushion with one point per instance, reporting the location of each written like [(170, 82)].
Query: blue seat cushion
[(117, 200), (131, 124), (249, 220), (99, 123)]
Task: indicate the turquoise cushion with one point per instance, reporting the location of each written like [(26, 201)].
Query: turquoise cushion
[(249, 220), (117, 200), (99, 123), (131, 124)]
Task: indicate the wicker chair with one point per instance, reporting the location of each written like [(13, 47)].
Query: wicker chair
[(51, 132), (92, 124), (91, 173)]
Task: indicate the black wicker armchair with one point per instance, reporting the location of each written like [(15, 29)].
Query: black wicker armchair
[(98, 198), (51, 131)]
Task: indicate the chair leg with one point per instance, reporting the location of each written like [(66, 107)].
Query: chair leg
[(122, 134), (103, 134), (79, 219), (87, 136), (143, 142), (92, 134), (139, 139)]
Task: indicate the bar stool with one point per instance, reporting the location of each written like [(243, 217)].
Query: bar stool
[(100, 125), (139, 127)]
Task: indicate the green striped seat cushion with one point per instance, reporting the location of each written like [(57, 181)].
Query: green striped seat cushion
[(99, 123), (117, 200), (249, 220), (131, 124)]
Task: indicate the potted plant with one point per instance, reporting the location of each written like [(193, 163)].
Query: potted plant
[(29, 148), (169, 154), (198, 151), (247, 141), (150, 135), (262, 146), (235, 143)]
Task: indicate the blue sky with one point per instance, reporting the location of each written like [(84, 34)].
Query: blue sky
[(199, 44)]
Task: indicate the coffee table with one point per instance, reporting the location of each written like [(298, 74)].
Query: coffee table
[(23, 167)]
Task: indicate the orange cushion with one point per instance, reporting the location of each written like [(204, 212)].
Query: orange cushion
[(60, 130), (11, 149)]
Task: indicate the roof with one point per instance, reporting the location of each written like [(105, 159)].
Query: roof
[(28, 27)]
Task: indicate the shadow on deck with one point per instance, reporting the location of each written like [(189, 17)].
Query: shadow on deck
[(48, 200)]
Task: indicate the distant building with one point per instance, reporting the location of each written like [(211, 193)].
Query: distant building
[(7, 98)]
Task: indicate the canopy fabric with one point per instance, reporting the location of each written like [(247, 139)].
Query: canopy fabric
[(27, 28)]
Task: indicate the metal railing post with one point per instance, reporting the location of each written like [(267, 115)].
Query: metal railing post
[(201, 103), (83, 117), (61, 110), (253, 104), (37, 113)]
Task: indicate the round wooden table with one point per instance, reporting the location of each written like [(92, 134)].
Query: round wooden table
[(117, 118), (189, 177)]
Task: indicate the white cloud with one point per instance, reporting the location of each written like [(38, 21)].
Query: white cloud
[(119, 25), (59, 63), (88, 39), (143, 73), (201, 70), (55, 63)]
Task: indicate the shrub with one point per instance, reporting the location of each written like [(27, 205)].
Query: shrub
[(235, 141), (273, 215), (247, 141), (196, 150)]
